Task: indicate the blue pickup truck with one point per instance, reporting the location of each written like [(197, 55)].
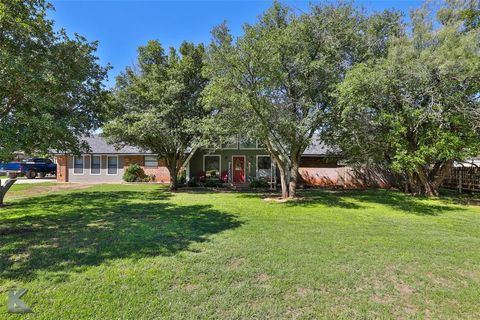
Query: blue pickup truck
[(31, 168)]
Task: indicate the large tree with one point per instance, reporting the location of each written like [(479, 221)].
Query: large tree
[(418, 109), (51, 90), (156, 105), (277, 78)]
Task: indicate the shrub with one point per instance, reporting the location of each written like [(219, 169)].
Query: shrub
[(259, 184), (182, 177), (134, 173), (213, 184), (192, 183)]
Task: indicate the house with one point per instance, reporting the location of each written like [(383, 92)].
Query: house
[(239, 162), (106, 164)]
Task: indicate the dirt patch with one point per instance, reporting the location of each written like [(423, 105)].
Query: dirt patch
[(282, 200), (263, 277), (47, 189), (235, 263), (302, 292)]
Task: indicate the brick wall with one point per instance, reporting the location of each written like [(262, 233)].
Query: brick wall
[(62, 170), (347, 177), (161, 172)]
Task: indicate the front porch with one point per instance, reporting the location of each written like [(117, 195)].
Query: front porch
[(231, 167)]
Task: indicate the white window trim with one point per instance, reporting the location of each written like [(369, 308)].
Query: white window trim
[(219, 162), (256, 163), (91, 157), (112, 174), (245, 178), (145, 162), (83, 166)]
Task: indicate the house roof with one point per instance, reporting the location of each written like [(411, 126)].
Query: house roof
[(98, 145), (318, 148)]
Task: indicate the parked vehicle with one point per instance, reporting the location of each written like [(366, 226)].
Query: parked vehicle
[(31, 168)]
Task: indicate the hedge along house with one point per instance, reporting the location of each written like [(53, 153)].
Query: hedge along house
[(106, 164)]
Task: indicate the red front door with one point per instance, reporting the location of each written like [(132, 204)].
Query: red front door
[(238, 169)]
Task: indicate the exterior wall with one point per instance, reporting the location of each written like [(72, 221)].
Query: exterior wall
[(65, 170), (161, 172), (318, 162), (62, 172), (103, 177), (346, 177)]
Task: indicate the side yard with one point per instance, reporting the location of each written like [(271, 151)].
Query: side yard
[(139, 252)]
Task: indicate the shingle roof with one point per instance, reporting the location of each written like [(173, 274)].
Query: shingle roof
[(319, 148), (98, 145)]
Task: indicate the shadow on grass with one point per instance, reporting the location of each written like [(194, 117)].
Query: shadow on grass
[(81, 229), (418, 205), (358, 199), (311, 198)]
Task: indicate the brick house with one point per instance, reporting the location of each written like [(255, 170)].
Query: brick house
[(238, 161), (105, 164)]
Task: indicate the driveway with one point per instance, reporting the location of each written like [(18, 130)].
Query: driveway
[(36, 180)]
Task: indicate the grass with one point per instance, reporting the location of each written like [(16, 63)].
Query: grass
[(27, 189), (139, 252)]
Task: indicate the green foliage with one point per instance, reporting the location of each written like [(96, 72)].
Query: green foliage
[(417, 109), (155, 105), (135, 173), (51, 89), (259, 184), (213, 183), (192, 183), (275, 81)]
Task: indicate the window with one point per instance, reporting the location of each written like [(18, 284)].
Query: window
[(264, 167), (151, 161), (95, 164), (112, 162), (78, 165), (247, 143), (211, 165)]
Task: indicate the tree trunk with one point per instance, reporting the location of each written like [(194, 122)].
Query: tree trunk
[(4, 189), (283, 181), (292, 192), (173, 178), (427, 187), (443, 172)]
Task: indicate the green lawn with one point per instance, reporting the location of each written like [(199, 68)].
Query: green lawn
[(139, 252)]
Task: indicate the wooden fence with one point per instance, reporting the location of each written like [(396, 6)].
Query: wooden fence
[(463, 179)]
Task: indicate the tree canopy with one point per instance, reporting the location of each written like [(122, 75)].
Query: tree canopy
[(51, 89), (279, 75), (417, 110), (156, 103)]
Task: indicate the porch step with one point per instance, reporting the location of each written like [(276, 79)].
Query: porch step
[(239, 186)]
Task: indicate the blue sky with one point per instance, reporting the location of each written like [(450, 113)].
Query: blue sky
[(122, 26)]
